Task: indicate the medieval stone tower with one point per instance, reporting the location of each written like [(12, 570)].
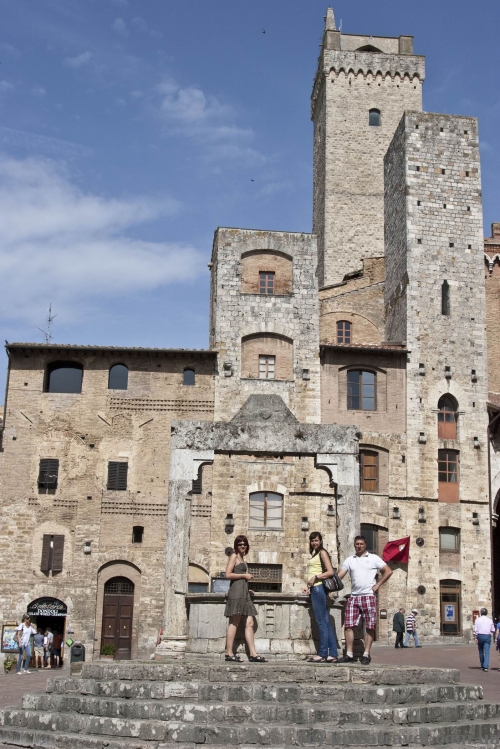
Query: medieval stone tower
[(363, 85)]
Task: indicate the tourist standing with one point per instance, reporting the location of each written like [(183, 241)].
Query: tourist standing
[(483, 629), (362, 604), (24, 632), (398, 626), (239, 602), (411, 629), (38, 641), (56, 649), (48, 642), (320, 568)]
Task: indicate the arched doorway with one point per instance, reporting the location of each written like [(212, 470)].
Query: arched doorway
[(118, 609), (50, 613)]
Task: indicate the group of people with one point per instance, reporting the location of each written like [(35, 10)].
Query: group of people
[(362, 567), (409, 629), (47, 646)]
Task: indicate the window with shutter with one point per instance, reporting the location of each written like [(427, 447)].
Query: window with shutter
[(57, 553), (368, 470), (46, 553), (48, 473), (117, 476)]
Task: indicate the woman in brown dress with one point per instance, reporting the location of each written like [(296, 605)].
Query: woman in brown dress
[(239, 602)]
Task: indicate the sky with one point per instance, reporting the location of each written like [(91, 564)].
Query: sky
[(131, 129)]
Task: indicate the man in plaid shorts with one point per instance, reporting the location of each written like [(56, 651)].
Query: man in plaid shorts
[(363, 568)]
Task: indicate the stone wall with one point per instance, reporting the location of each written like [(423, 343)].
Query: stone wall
[(349, 181), (236, 315), (85, 431)]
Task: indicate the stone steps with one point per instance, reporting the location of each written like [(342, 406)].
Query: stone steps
[(277, 693), (260, 712), (186, 702)]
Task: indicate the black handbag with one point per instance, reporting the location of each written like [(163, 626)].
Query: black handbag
[(331, 584)]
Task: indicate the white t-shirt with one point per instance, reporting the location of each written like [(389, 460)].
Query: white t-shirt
[(26, 633), (363, 572)]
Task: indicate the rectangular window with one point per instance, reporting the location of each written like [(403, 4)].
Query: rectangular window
[(449, 539), (266, 577), (448, 475), (343, 331), (266, 511), (370, 532), (48, 473), (117, 476), (361, 391), (368, 463), (266, 367), (52, 553), (266, 282)]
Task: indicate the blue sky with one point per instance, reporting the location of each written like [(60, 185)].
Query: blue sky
[(131, 129)]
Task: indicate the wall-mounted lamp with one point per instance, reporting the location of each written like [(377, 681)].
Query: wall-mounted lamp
[(422, 438), (475, 518), (330, 511), (87, 547), (304, 483), (421, 369), (227, 368), (306, 374), (229, 523), (421, 515), (477, 444), (304, 526), (448, 372), (396, 513), (473, 375)]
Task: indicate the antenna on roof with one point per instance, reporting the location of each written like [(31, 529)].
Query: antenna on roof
[(340, 27), (49, 320)]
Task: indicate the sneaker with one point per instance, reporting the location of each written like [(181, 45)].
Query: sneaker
[(346, 659), (418, 646), (366, 660), (19, 673), (26, 671)]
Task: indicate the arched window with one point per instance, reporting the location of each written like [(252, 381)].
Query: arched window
[(445, 298), (266, 511), (368, 467), (374, 118), (64, 377), (188, 378), (118, 377), (343, 331), (361, 390), (447, 418)]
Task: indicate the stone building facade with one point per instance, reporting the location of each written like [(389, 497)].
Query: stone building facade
[(345, 388)]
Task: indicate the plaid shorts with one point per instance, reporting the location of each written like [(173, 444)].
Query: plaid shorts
[(361, 606)]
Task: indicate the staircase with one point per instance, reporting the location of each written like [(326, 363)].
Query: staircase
[(183, 703)]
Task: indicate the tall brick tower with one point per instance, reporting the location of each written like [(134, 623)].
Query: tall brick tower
[(363, 85)]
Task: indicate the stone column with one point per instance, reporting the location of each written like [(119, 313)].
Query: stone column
[(344, 474), (184, 465)]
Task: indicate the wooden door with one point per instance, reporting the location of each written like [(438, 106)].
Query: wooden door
[(118, 609)]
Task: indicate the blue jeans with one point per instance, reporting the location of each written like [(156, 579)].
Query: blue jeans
[(407, 638), (327, 640), (24, 652), (483, 645)]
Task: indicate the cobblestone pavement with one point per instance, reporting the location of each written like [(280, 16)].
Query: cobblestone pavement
[(12, 687), (464, 657)]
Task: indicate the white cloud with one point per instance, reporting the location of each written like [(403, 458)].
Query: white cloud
[(5, 86), (79, 60), (120, 28), (59, 242), (141, 25), (190, 112), (38, 91)]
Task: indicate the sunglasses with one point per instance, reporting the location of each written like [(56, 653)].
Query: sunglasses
[(243, 544)]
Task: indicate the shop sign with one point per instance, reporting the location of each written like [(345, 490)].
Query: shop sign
[(47, 607)]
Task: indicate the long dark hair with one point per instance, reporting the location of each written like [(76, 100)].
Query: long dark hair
[(315, 534), (238, 540)]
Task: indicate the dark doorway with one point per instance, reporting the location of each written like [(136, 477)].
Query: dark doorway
[(451, 604), (49, 613), (117, 617), (495, 538)]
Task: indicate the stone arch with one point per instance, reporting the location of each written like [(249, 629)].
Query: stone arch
[(110, 569), (447, 387), (255, 261), (363, 330)]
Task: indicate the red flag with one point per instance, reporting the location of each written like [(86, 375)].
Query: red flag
[(397, 551)]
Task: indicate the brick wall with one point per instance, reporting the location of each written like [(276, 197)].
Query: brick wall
[(255, 261), (255, 346)]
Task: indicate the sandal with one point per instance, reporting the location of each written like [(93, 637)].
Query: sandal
[(256, 659), (233, 658), (317, 660), (331, 659)]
